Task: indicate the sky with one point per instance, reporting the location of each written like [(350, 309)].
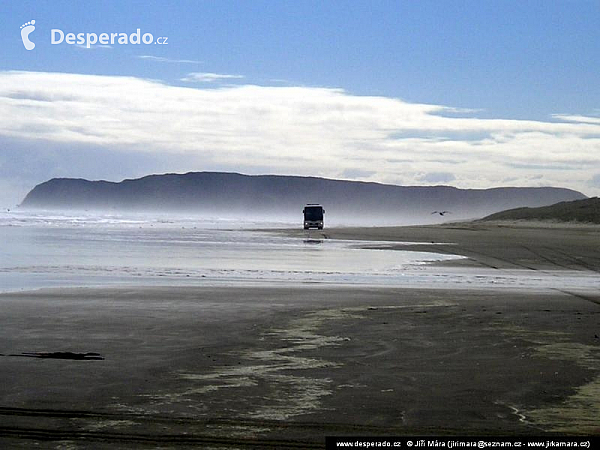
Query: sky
[(473, 94)]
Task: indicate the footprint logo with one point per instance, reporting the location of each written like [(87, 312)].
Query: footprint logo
[(26, 30)]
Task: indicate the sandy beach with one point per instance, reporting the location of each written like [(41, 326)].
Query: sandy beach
[(502, 245), (284, 366)]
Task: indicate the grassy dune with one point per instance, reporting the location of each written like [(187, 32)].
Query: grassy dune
[(584, 211)]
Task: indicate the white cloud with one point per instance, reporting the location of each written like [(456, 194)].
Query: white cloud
[(208, 77), (296, 130), (168, 60), (437, 177), (576, 118), (595, 181)]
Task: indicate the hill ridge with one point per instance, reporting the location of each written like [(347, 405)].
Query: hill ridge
[(235, 193)]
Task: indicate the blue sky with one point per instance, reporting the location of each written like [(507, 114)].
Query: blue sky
[(474, 94)]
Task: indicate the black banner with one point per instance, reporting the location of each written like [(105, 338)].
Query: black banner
[(432, 442)]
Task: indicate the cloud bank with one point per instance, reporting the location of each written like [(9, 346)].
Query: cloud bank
[(209, 77), (295, 130)]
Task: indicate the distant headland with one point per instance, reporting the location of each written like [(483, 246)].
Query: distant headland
[(224, 193)]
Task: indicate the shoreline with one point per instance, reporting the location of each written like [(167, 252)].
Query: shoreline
[(286, 365)]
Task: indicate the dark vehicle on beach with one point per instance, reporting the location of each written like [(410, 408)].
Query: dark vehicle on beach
[(313, 216)]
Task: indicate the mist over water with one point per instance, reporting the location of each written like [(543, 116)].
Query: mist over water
[(220, 219), (63, 249)]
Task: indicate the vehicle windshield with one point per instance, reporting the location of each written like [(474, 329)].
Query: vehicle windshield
[(313, 213)]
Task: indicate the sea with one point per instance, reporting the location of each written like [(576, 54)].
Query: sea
[(44, 249)]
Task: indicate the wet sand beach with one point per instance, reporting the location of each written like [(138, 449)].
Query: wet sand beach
[(284, 366), (501, 245)]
